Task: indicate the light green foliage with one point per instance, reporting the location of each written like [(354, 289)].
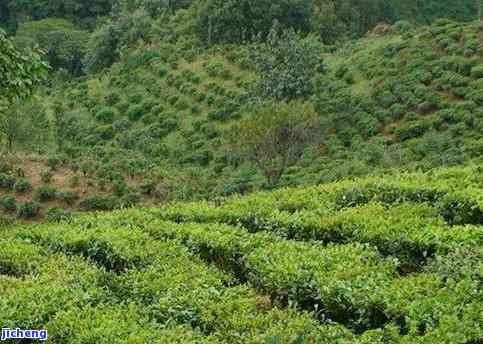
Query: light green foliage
[(274, 136), (254, 269)]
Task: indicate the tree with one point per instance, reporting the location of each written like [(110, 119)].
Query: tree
[(426, 11), (72, 9), (20, 71), (232, 21), (64, 43), (24, 124), (275, 136), (102, 48), (153, 7), (286, 63)]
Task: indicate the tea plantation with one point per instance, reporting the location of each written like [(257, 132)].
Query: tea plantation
[(242, 171), (152, 127), (372, 260)]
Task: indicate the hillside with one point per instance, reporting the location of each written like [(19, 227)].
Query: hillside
[(396, 259), (151, 128), (241, 171)]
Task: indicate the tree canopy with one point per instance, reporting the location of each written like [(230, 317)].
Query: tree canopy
[(20, 71), (286, 63), (237, 20), (274, 136)]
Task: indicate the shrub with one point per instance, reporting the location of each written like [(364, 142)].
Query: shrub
[(73, 180), (130, 200), (402, 26), (46, 176), (121, 125), (398, 111), (8, 203), (22, 185), (135, 112), (67, 197), (7, 181), (46, 194), (28, 210), (147, 187), (477, 72), (105, 132), (119, 187), (99, 203), (112, 98), (56, 214), (6, 221), (53, 162), (386, 99), (411, 131), (106, 115), (217, 69), (5, 167), (162, 72)]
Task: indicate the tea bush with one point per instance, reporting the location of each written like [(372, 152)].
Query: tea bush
[(57, 214), (7, 181), (8, 203), (46, 194), (99, 203), (28, 210), (22, 186)]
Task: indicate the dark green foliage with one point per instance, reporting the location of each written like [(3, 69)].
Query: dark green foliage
[(74, 9), (46, 176), (8, 203), (54, 162), (130, 199), (477, 72), (45, 194), (102, 48), (64, 43), (67, 196), (236, 21), (286, 63), (7, 181), (106, 115), (28, 210), (22, 186), (148, 187), (57, 214), (135, 112), (99, 203)]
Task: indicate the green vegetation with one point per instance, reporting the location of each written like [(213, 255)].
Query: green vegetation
[(317, 266), (242, 171), (403, 97)]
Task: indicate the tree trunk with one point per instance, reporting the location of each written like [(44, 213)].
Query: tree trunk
[(10, 144)]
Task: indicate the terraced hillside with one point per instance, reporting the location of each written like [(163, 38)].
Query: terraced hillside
[(375, 260)]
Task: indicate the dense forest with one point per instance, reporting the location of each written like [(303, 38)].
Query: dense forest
[(241, 171)]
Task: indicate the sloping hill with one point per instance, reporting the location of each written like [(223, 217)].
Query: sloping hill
[(150, 128), (396, 259)]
